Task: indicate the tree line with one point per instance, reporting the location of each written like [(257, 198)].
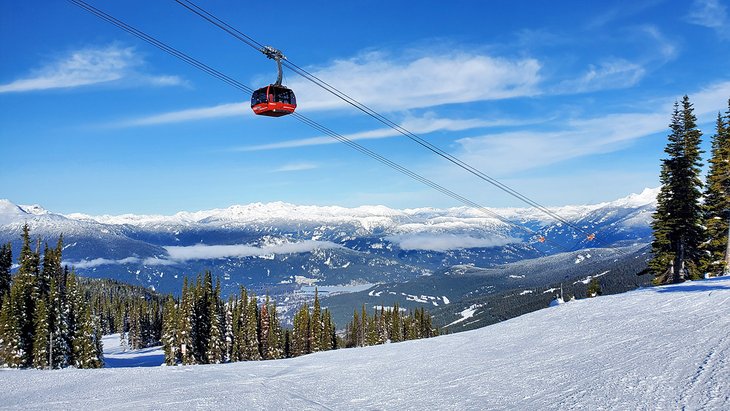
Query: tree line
[(201, 328), (51, 318), (690, 224), (388, 325), (45, 318)]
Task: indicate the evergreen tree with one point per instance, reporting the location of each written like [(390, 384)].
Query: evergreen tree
[(25, 296), (215, 349), (59, 326), (677, 220), (6, 262), (41, 336), (315, 332), (300, 334), (228, 327), (396, 326), (84, 347), (185, 325), (717, 200), (251, 337), (169, 332), (264, 330), (11, 349), (276, 340), (594, 288), (328, 332)]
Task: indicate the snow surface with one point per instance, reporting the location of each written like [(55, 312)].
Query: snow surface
[(115, 356), (654, 348)]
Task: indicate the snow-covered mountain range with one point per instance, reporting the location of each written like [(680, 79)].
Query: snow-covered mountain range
[(280, 247)]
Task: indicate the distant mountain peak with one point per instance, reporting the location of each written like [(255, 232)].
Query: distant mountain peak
[(646, 197)]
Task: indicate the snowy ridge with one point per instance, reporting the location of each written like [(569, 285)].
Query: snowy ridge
[(367, 217), (654, 348)]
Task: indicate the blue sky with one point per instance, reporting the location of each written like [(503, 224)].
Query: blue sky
[(567, 102)]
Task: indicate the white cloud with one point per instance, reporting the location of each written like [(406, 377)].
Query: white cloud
[(446, 242), (86, 67), (296, 167), (178, 254), (204, 252), (523, 150), (129, 260), (711, 14), (611, 74), (388, 84), (417, 125), (203, 113)]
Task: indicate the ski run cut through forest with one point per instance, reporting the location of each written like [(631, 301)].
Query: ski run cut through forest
[(663, 347)]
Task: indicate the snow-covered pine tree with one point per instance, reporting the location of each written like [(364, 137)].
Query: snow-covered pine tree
[(169, 332), (677, 221), (300, 333), (396, 325), (185, 325), (716, 207), (58, 326), (6, 263), (26, 294), (215, 349), (11, 349), (41, 335), (239, 326), (315, 333), (264, 329), (251, 349), (276, 340), (228, 327), (84, 345), (327, 341)]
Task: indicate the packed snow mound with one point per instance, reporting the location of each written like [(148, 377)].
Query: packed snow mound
[(654, 348)]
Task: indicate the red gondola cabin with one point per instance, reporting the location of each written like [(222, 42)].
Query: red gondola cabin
[(273, 101)]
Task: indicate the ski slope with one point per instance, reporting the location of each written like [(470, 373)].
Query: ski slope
[(655, 348)]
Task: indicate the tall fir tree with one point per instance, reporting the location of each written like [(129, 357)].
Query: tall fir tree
[(215, 351), (11, 349), (315, 333), (276, 340), (6, 263), (185, 325), (251, 336), (169, 332), (26, 295), (677, 222), (41, 342), (716, 207), (264, 329)]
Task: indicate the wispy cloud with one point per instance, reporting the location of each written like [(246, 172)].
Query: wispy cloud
[(522, 150), (426, 80), (296, 167), (87, 67), (418, 125), (711, 14), (386, 84), (446, 242), (610, 74), (205, 252), (96, 262), (203, 113)]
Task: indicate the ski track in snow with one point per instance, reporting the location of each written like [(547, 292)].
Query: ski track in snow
[(654, 348)]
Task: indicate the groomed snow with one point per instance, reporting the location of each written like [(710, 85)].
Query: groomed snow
[(655, 348)]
